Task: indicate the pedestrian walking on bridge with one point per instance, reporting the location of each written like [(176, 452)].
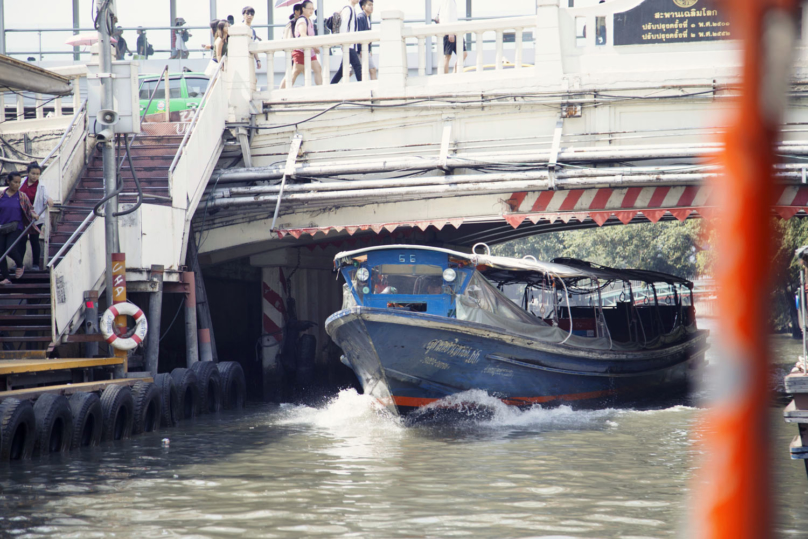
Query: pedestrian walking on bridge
[(447, 14), (348, 23)]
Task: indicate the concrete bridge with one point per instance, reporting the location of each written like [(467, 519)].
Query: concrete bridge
[(569, 129)]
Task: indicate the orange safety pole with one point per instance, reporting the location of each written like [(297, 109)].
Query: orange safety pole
[(119, 296), (733, 487)]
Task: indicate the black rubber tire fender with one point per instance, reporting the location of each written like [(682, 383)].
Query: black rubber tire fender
[(118, 408), (54, 424), (234, 385), (88, 420), (169, 400), (210, 387), (147, 408), (188, 391), (17, 429)]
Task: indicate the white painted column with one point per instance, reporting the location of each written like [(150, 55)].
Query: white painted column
[(392, 54), (239, 73), (549, 68)]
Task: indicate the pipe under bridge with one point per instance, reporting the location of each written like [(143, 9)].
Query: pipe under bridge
[(558, 133)]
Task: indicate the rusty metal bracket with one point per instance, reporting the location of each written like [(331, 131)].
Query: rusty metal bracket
[(551, 165), (291, 159)]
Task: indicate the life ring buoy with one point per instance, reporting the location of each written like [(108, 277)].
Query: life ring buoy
[(107, 326)]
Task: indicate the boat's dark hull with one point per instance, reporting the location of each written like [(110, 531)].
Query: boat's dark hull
[(408, 360)]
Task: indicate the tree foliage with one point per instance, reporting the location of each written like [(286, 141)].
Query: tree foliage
[(670, 247), (683, 249)]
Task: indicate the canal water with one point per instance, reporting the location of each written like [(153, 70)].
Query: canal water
[(346, 469)]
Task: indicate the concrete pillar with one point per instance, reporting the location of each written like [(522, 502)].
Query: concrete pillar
[(239, 74), (154, 320), (393, 54), (273, 291), (76, 26), (191, 343), (549, 67)]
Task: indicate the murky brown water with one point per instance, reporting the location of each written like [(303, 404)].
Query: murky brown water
[(347, 470)]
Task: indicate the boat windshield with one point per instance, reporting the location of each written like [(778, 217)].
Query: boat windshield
[(407, 279)]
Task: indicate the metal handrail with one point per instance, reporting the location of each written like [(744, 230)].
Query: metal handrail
[(70, 240), (180, 150), (21, 236), (69, 129), (166, 91)]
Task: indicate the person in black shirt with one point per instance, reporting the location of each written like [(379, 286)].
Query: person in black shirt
[(121, 47), (142, 43)]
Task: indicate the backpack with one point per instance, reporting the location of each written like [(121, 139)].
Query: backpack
[(294, 26), (185, 36), (334, 22), (149, 50)]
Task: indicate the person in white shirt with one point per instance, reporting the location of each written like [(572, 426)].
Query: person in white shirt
[(348, 24), (248, 12), (447, 14)]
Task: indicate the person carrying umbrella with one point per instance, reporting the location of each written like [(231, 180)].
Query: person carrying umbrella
[(179, 37)]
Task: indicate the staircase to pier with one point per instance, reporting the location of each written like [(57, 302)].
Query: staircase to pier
[(151, 156)]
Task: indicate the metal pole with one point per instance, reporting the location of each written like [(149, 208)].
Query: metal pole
[(76, 26), (468, 16), (191, 343), (2, 27), (803, 324), (271, 19), (172, 11), (108, 153), (91, 321), (320, 18), (155, 312), (212, 9), (203, 318), (119, 296), (428, 20)]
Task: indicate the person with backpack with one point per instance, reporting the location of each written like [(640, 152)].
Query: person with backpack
[(144, 48), (347, 23), (304, 27), (179, 38), (289, 31)]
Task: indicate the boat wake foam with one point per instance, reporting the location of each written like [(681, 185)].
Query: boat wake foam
[(487, 411), (347, 411)]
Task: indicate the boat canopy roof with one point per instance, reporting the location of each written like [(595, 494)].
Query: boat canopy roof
[(526, 270)]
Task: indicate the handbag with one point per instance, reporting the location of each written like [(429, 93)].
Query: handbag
[(8, 228), (213, 66)]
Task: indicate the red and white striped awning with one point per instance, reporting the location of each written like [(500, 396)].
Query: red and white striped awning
[(599, 205)]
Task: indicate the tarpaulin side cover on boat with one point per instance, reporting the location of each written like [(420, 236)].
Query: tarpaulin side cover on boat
[(481, 302)]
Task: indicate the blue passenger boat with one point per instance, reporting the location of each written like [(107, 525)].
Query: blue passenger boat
[(419, 324)]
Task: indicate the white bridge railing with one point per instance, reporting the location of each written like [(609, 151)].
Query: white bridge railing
[(388, 44), (498, 27), (321, 45)]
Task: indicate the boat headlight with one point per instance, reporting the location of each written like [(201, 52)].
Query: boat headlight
[(449, 275), (363, 274)]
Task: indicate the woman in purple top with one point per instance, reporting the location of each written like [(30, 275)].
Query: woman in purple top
[(14, 208)]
